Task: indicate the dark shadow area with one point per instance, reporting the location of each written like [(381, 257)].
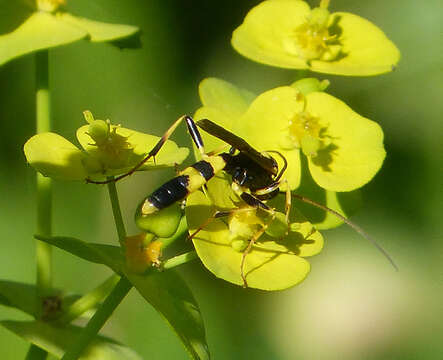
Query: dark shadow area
[(12, 14)]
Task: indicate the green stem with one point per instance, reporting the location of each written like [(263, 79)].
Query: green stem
[(179, 260), (115, 297), (44, 188), (99, 319), (44, 192), (117, 213), (89, 300)]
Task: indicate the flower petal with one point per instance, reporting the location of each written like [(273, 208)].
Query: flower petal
[(266, 31), (366, 49), (356, 152), (100, 31), (54, 156), (224, 96), (268, 36), (264, 269), (262, 126), (345, 203), (39, 31)]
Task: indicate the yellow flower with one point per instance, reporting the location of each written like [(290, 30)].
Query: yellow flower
[(288, 34), (275, 262), (107, 150)]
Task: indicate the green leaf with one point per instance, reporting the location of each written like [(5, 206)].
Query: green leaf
[(39, 31), (170, 296), (56, 341), (165, 291), (108, 255), (100, 31), (54, 156), (19, 295)]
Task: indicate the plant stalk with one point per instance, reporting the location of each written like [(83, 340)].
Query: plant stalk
[(100, 317), (115, 297), (44, 186), (43, 250)]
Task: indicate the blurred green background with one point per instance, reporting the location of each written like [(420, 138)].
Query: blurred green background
[(353, 305)]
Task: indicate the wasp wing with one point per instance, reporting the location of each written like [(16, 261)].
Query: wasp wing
[(238, 143)]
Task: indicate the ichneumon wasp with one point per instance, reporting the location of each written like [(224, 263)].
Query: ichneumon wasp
[(255, 178)]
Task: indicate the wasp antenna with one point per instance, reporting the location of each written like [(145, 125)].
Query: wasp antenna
[(356, 228)]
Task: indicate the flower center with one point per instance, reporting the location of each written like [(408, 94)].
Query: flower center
[(313, 38), (113, 149), (306, 133), (49, 5)]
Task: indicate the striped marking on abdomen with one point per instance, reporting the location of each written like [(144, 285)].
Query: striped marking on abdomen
[(189, 180)]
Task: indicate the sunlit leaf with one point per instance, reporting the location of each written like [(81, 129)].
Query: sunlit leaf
[(97, 253)]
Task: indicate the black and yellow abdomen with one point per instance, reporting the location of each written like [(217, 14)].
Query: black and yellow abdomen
[(187, 181)]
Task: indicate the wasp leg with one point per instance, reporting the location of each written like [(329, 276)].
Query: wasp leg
[(193, 131), (249, 247), (220, 214), (217, 215)]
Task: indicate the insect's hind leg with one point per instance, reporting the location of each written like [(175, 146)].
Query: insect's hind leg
[(193, 131)]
